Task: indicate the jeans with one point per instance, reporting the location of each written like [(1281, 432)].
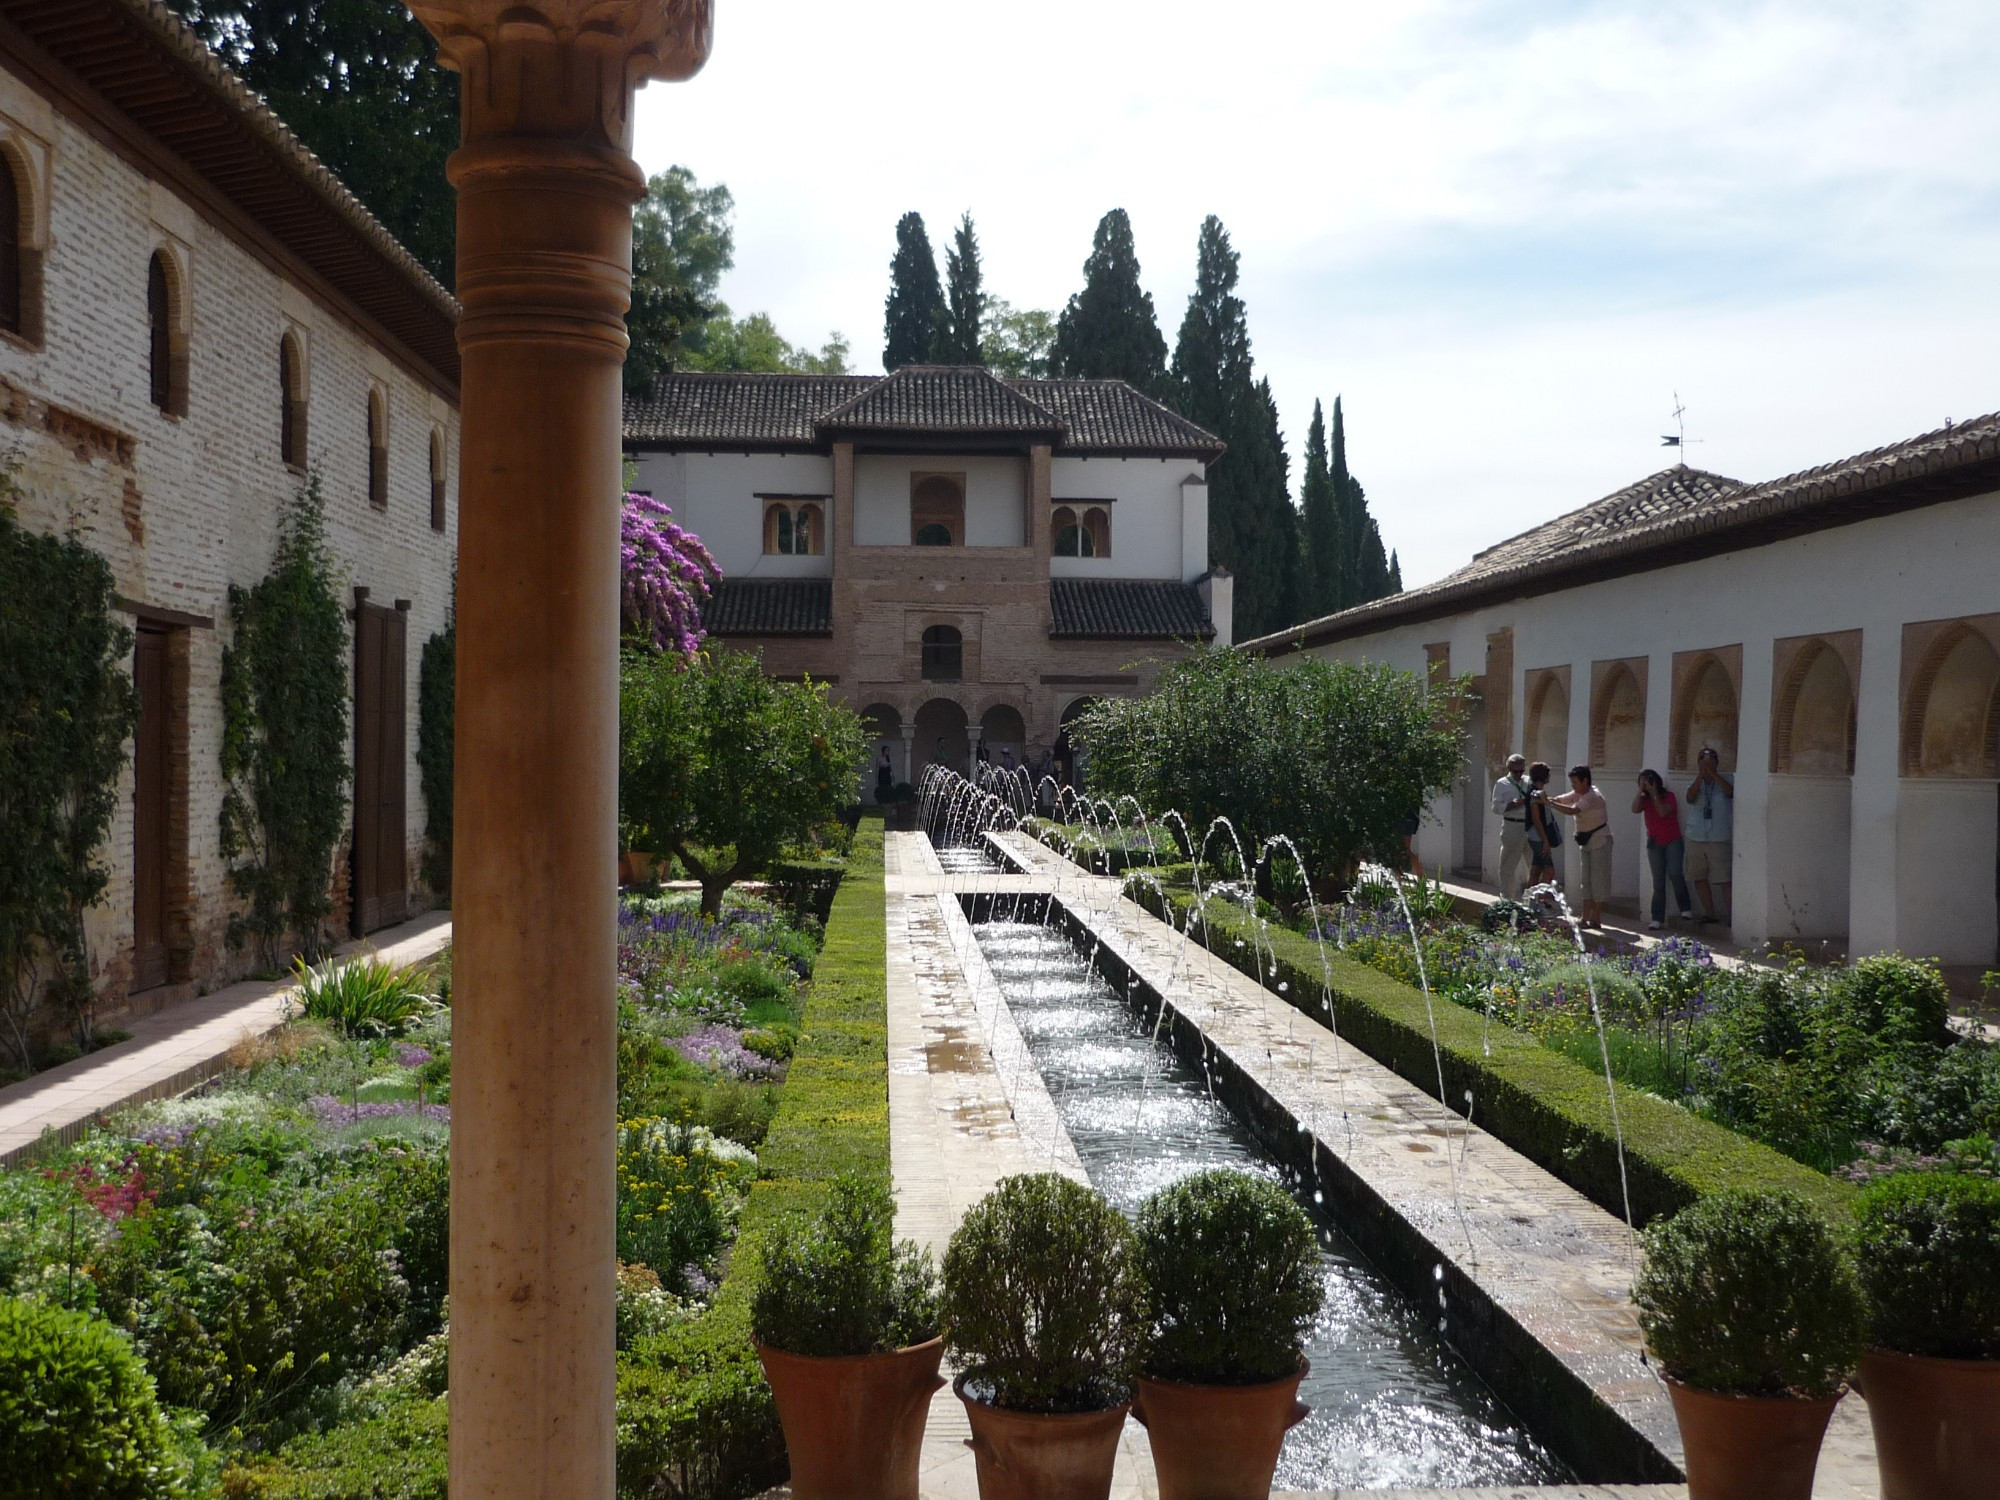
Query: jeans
[(1665, 860)]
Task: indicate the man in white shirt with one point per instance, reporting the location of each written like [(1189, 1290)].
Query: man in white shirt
[(1709, 825), (1510, 801)]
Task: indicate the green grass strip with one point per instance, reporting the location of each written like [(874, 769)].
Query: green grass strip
[(1552, 1110), (695, 1415)]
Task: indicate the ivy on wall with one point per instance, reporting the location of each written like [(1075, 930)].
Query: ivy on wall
[(284, 738), (437, 679), (67, 708)]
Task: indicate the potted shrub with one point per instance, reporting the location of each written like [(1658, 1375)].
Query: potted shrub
[(1929, 1249), (846, 1324), (1753, 1310), (1231, 1274), (1043, 1318)]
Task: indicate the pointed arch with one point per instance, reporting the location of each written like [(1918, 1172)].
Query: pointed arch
[(378, 448), (292, 399), (437, 479), (1813, 720), (1618, 716), (21, 239), (166, 333), (1951, 723), (1705, 705)]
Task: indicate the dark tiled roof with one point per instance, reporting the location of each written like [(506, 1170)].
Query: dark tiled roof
[(770, 606), (729, 411), (1108, 416), (941, 399), (807, 412), (1679, 515), (1126, 609)]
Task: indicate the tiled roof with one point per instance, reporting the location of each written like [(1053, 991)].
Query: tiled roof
[(1679, 515), (1126, 609), (727, 411), (769, 606), (941, 399), (807, 412)]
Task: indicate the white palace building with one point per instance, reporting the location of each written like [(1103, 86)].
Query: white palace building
[(1835, 633)]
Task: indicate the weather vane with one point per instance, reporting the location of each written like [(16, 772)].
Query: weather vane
[(1678, 438)]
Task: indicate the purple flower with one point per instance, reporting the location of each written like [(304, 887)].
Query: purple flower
[(410, 1055), (332, 1112), (721, 1047)]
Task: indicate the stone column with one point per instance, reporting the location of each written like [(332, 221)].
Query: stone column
[(546, 185), (910, 752), (972, 733)]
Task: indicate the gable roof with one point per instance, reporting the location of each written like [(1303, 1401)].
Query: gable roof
[(1680, 515), (164, 86), (1116, 609), (917, 404)]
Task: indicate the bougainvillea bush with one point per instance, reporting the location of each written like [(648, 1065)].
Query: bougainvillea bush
[(665, 574)]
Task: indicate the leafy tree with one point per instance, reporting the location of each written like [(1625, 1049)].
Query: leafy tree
[(1324, 561), (358, 82), (1332, 753), (682, 242), (1016, 342), (1253, 530), (724, 766), (1109, 330), (284, 736), (915, 315), (754, 344), (965, 299), (66, 709)]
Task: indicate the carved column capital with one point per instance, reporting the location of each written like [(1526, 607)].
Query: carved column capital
[(564, 67)]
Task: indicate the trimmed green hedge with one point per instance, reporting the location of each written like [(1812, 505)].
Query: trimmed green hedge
[(695, 1417), (1552, 1110)]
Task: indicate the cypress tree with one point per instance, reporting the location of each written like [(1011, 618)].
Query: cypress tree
[(1353, 527), (1109, 330), (1252, 527), (958, 339), (915, 313), (1321, 556), (1395, 574)]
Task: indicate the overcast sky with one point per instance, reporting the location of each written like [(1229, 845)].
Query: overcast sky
[(1505, 231)]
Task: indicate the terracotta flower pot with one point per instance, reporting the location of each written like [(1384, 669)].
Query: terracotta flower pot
[(1025, 1455), (1217, 1442), (1937, 1425), (1749, 1447), (854, 1427)]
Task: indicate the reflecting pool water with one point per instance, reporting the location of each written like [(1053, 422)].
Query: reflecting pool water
[(1393, 1406)]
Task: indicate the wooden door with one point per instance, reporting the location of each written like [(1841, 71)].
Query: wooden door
[(381, 895), (149, 812)]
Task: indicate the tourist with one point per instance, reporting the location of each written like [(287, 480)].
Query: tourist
[(1510, 801), (939, 757), (1711, 824), (1007, 759), (1584, 802), (1665, 852), (1412, 821), (1542, 833), (885, 776)]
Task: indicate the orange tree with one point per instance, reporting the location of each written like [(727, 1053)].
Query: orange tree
[(723, 766)]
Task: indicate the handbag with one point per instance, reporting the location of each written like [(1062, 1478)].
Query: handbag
[(1551, 830), (1585, 835)]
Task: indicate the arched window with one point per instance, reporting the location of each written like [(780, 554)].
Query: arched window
[(10, 247), (808, 532), (1069, 537), (437, 480), (292, 396), (1097, 531), (160, 329), (378, 452), (937, 510), (944, 654)]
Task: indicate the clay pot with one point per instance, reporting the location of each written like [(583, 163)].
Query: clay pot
[(1937, 1425), (1217, 1442), (854, 1427), (1749, 1447), (1025, 1455)]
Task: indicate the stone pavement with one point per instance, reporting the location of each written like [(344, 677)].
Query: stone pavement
[(965, 1111), (175, 1049)]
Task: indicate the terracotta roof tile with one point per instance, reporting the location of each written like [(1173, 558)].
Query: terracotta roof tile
[(1126, 609), (769, 606)]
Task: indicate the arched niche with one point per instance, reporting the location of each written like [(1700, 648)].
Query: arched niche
[(1548, 718), (1706, 706), (1812, 721), (1618, 718), (1952, 717)]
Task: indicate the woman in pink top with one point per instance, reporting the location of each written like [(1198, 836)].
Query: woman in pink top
[(1664, 850), (1584, 802)]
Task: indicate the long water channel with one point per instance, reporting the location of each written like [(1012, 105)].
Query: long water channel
[(1393, 1406)]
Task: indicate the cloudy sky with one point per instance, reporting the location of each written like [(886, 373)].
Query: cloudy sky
[(1505, 231)]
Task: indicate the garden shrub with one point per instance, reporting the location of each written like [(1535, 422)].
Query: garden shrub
[(679, 1188), (362, 997), (1042, 1300), (1929, 1248), (1230, 1267), (78, 1415), (1899, 1000), (1750, 1294), (840, 1285), (397, 1453)]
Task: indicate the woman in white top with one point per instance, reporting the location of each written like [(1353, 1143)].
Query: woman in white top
[(1586, 804)]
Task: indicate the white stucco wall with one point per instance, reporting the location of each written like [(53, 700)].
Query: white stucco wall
[(1911, 864), (1143, 497), (715, 495), (195, 507)]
